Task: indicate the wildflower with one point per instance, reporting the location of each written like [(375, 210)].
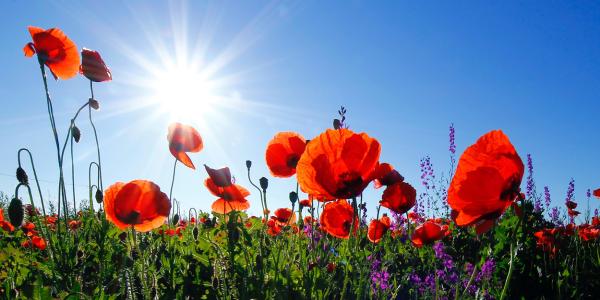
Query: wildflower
[(338, 164), (428, 233), (231, 196), (283, 153), (387, 176), (486, 182), (546, 240), (183, 138), (377, 229), (139, 203), (55, 50), (338, 218), (427, 174), (399, 197), (305, 203), (74, 224), (273, 227), (36, 242), (330, 267), (93, 66), (6, 226), (588, 233), (285, 216)]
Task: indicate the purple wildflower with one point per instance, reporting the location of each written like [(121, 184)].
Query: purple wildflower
[(555, 216), (570, 190), (547, 197), (589, 193), (379, 275)]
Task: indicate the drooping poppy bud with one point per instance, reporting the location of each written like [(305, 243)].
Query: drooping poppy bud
[(99, 196), (15, 212), (293, 197), (195, 233), (22, 176), (94, 104), (76, 133), (175, 219), (337, 124), (264, 183)]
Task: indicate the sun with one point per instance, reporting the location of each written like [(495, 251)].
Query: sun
[(183, 92)]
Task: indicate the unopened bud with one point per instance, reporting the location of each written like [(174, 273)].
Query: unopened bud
[(99, 196), (15, 212), (248, 164), (293, 197), (75, 133), (264, 183), (94, 104), (22, 176)]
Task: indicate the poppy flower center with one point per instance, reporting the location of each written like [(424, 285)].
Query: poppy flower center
[(132, 217), (350, 184), (292, 160), (512, 191)]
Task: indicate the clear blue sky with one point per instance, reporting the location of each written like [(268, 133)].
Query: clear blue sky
[(405, 71)]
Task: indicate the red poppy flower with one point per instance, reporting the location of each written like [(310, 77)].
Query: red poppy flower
[(273, 228), (283, 153), (182, 139), (387, 176), (572, 213), (597, 193), (74, 224), (55, 50), (285, 216), (428, 233), (546, 240), (36, 242), (139, 203), (93, 66), (338, 164), (377, 228), (571, 205), (5, 225), (330, 267), (231, 196), (399, 197), (486, 181), (305, 203), (595, 221), (337, 218), (308, 220), (588, 234), (568, 230)]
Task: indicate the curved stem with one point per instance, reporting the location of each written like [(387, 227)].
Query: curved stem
[(73, 178), (34, 175), (259, 191), (101, 186), (90, 186), (171, 190)]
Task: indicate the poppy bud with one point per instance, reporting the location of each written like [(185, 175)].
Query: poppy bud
[(22, 176), (195, 233), (337, 124), (264, 183), (175, 219), (293, 197), (15, 212), (330, 267), (99, 196), (75, 133), (248, 164), (94, 104)]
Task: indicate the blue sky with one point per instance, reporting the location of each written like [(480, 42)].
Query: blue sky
[(404, 71)]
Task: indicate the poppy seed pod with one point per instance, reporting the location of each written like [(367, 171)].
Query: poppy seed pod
[(293, 197), (248, 164), (15, 212), (76, 133), (264, 183), (99, 196), (22, 176), (94, 104)]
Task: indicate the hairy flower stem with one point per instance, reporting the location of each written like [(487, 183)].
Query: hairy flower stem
[(171, 190), (90, 185), (510, 271), (34, 176), (100, 184)]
